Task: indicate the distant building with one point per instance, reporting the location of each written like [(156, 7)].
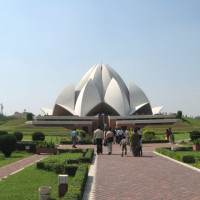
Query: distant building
[(20, 115)]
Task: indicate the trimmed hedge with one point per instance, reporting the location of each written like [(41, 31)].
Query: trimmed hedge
[(177, 156), (3, 133), (18, 136), (38, 136), (58, 167), (194, 135), (21, 146), (64, 141), (77, 186), (8, 144), (155, 141), (80, 173)]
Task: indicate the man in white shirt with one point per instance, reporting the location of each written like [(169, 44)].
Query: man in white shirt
[(98, 135)]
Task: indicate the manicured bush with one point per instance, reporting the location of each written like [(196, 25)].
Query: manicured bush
[(21, 146), (188, 159), (194, 135), (148, 135), (8, 144), (38, 136), (176, 155), (46, 144), (77, 186), (70, 150), (196, 142), (18, 136), (3, 133)]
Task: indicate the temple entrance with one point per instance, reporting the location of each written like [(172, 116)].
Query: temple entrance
[(103, 121)]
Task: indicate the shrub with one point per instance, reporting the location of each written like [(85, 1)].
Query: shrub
[(176, 155), (77, 186), (18, 136), (196, 142), (29, 116), (3, 133), (194, 135), (148, 135), (21, 146), (46, 144), (8, 144), (38, 136)]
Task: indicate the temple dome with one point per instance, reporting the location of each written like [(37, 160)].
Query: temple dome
[(101, 90)]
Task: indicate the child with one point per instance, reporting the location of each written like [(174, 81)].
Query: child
[(123, 143), (140, 147)]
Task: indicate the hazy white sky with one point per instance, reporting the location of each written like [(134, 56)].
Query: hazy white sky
[(45, 45)]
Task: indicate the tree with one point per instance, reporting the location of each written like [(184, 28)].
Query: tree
[(179, 114), (29, 116)]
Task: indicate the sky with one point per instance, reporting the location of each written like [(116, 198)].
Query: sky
[(46, 45)]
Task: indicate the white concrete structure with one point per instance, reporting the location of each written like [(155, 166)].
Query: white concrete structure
[(101, 90)]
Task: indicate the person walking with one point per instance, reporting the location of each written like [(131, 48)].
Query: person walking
[(123, 143), (74, 138), (98, 136), (109, 139), (135, 143)]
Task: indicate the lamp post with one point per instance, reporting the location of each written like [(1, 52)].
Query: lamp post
[(63, 185)]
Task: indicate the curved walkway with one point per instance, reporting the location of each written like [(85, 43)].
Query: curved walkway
[(19, 165)]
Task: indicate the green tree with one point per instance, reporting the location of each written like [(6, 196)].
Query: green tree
[(29, 116), (179, 114)]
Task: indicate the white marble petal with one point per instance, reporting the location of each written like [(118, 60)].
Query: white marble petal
[(67, 96), (96, 76), (137, 97), (68, 109), (156, 110), (47, 111), (88, 98), (85, 78), (116, 98)]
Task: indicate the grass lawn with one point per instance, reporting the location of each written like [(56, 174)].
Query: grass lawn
[(25, 184), (188, 144), (15, 156)]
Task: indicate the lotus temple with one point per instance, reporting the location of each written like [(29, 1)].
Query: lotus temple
[(102, 99)]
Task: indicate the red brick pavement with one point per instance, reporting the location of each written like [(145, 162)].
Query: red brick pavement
[(19, 165), (148, 177)]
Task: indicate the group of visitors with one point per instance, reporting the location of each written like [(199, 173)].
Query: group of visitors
[(122, 138)]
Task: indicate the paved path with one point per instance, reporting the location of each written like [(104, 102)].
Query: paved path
[(19, 165), (148, 177)]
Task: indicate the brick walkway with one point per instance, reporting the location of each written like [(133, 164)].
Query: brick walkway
[(19, 165), (148, 177)]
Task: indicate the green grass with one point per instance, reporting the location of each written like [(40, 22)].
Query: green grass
[(187, 144), (15, 156), (64, 156), (186, 153), (19, 125), (24, 185)]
